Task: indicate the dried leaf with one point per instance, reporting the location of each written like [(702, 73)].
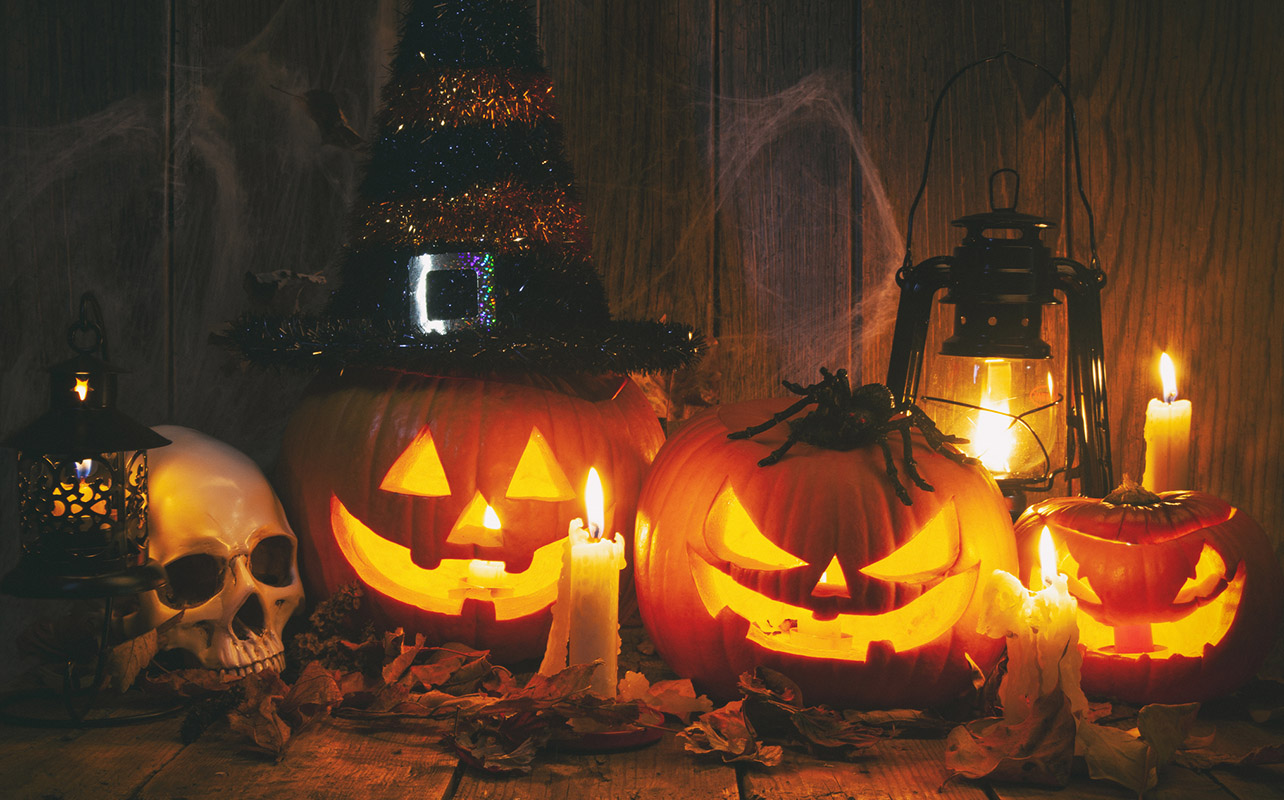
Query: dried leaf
[(825, 728), (485, 750), (128, 658), (558, 687), (899, 720), (1209, 757), (257, 716), (186, 683), (1165, 727), (727, 733), (312, 696), (1039, 749), (1119, 756), (394, 670), (676, 697), (1133, 759)]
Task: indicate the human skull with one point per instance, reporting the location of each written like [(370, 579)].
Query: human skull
[(218, 530)]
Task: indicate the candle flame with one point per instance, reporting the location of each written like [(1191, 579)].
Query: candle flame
[(83, 468), (490, 520), (81, 388), (1051, 393), (1168, 377), (992, 439), (593, 503), (1047, 556)]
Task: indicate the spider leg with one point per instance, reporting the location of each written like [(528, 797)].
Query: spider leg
[(754, 430), (891, 472), (911, 466), (779, 452), (936, 438)]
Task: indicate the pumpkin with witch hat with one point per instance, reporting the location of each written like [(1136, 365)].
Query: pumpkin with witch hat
[(471, 372)]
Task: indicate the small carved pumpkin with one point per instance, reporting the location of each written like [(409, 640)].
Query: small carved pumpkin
[(813, 566), (1179, 594), (448, 498)]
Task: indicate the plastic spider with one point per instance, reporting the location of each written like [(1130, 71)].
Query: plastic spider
[(845, 419)]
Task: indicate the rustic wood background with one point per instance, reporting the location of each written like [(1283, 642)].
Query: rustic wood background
[(747, 166)]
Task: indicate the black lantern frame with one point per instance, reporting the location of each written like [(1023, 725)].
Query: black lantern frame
[(82, 507), (999, 279)]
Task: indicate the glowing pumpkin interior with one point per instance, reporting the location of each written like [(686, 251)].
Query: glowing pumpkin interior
[(929, 559), (1202, 612), (388, 567)]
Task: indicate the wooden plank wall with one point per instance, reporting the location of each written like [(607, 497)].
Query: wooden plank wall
[(747, 166)]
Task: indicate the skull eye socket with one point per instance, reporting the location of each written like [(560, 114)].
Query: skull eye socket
[(272, 559), (192, 580)]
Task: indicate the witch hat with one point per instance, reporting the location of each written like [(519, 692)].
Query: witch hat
[(467, 247)]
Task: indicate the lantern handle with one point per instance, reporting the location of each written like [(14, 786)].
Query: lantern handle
[(1094, 263), (87, 335)]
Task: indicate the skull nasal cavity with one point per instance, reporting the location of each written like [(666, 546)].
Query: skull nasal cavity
[(249, 619)]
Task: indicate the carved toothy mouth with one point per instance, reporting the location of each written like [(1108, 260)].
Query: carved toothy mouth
[(1205, 626), (387, 568), (847, 637)]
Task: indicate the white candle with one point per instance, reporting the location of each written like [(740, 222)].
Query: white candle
[(1042, 636), (586, 617), (1167, 435)]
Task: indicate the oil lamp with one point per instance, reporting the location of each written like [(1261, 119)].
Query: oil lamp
[(1031, 410), (82, 495)]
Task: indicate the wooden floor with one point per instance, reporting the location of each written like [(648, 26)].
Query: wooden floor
[(346, 759)]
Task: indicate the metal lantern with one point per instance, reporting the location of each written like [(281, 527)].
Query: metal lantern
[(82, 482), (996, 381)]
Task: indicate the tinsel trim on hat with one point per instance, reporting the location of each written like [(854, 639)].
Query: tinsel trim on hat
[(503, 212), (314, 343), (454, 97)]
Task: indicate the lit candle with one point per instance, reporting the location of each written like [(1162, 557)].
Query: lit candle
[(1167, 435), (586, 616), (992, 440), (1042, 636)]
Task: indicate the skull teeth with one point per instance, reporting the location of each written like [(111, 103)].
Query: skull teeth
[(275, 661)]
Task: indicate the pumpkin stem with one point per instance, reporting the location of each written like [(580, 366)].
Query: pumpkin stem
[(1131, 493)]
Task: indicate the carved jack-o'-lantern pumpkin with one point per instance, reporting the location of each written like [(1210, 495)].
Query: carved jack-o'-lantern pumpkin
[(449, 497), (813, 566), (1179, 594)]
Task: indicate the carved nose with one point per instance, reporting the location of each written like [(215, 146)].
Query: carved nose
[(832, 583)]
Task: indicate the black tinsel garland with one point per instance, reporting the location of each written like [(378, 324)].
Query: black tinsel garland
[(314, 343)]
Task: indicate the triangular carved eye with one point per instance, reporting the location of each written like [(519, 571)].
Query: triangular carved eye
[(733, 537), (538, 476), (929, 554), (418, 470), (1209, 573)]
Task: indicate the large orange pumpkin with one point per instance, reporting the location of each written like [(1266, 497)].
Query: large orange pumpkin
[(1179, 594), (449, 497), (812, 566)]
